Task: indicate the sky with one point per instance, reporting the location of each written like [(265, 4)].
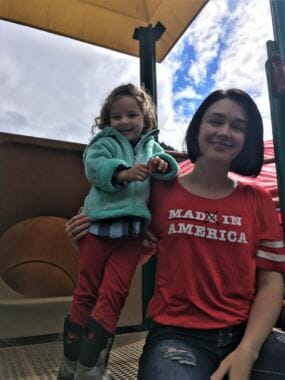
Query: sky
[(53, 87)]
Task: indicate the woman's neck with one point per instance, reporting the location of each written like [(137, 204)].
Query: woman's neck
[(210, 181)]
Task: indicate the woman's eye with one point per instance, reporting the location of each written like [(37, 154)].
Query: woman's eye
[(215, 122), (239, 128)]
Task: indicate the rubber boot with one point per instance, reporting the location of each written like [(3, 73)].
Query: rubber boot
[(71, 349), (94, 354)]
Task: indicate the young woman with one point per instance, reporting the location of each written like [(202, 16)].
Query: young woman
[(220, 254)]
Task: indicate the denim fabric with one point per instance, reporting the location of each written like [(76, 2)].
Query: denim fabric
[(179, 354), (270, 364)]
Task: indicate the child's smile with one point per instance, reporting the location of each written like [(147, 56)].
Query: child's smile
[(127, 118)]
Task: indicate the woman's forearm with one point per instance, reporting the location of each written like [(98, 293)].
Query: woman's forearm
[(264, 311), (263, 315)]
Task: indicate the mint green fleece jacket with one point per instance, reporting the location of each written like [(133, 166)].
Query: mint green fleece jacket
[(105, 153)]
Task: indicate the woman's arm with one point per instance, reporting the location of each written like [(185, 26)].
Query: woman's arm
[(263, 315), (77, 227)]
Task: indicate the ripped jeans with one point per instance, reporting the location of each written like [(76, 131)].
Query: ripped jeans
[(172, 353)]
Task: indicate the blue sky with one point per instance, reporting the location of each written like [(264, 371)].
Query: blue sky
[(53, 87)]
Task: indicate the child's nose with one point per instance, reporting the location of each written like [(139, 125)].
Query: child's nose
[(124, 120)]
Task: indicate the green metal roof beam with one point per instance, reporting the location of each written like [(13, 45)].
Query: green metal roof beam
[(275, 69)]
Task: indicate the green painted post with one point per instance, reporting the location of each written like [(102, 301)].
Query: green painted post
[(147, 37), (275, 69)]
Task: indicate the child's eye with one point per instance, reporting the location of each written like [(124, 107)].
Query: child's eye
[(131, 115), (115, 117)]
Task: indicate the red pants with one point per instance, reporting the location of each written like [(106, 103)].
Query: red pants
[(106, 269)]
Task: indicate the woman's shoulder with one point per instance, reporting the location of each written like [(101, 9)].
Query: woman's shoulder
[(251, 185), (250, 188)]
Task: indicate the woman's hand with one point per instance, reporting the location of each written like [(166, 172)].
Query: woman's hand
[(77, 227), (149, 240), (237, 365)]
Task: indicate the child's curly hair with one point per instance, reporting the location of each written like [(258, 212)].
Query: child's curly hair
[(143, 100)]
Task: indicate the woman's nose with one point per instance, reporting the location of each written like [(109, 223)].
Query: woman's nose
[(224, 130)]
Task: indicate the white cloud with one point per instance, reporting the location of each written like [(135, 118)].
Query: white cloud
[(238, 39), (166, 114), (242, 61), (244, 55), (187, 93), (234, 35), (205, 36), (53, 87), (57, 84)]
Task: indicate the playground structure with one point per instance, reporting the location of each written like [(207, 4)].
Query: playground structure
[(38, 195), (42, 182), (38, 263), (45, 183)]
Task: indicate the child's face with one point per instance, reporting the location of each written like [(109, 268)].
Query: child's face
[(127, 118)]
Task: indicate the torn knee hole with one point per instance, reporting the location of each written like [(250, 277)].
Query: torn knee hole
[(180, 354), (281, 337)]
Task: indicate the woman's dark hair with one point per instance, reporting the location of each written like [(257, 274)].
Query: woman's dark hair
[(143, 100), (250, 159)]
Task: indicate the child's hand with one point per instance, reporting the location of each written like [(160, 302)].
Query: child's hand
[(156, 164), (137, 172)]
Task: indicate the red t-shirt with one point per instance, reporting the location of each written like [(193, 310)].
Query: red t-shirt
[(208, 252)]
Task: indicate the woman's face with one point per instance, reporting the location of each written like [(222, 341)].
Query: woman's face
[(222, 131)]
